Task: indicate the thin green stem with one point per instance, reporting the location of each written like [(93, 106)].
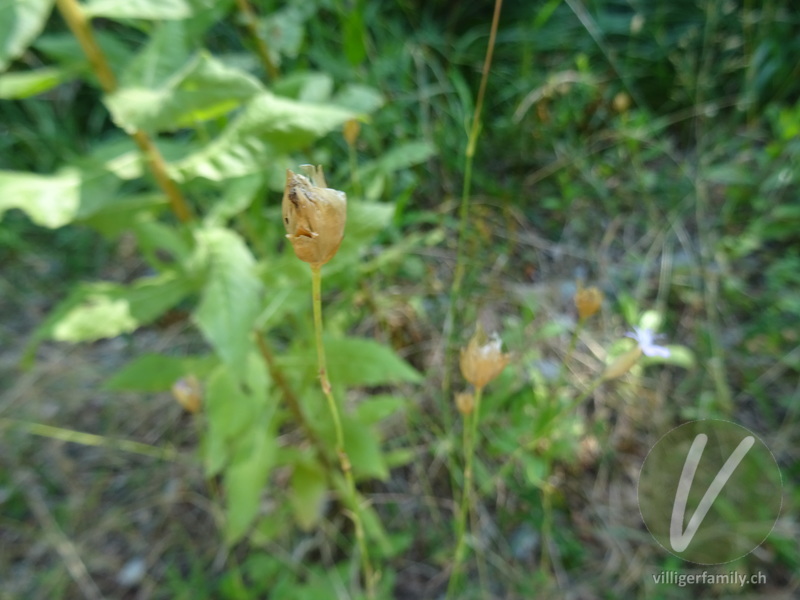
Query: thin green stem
[(470, 434), (458, 277), (344, 461), (90, 439)]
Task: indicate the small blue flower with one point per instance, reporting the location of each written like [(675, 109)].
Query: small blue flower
[(646, 339)]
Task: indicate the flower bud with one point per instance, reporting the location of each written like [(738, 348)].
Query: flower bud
[(188, 393), (314, 216), (465, 403), (482, 361), (588, 301)]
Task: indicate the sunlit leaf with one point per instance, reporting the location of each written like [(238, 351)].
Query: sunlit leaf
[(138, 9), (268, 125), (57, 199), (204, 89)]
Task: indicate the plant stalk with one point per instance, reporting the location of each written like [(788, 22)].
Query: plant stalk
[(261, 45), (470, 434), (82, 30), (344, 461)]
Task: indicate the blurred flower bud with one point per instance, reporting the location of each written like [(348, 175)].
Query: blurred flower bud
[(314, 216), (622, 364), (588, 301), (482, 361), (621, 102), (188, 393), (465, 402), (351, 130)]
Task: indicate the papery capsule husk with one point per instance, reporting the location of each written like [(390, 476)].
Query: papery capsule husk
[(189, 393), (314, 216), (482, 361)]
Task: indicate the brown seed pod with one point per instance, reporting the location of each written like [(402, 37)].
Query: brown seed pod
[(482, 361), (314, 216)]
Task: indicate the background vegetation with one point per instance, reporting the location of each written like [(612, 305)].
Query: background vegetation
[(649, 149)]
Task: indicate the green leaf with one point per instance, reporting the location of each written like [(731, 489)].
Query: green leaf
[(380, 407), (245, 479), (24, 84), (364, 221), (232, 296), (359, 98), (353, 35), (67, 52), (108, 310), (234, 405), (20, 22), (167, 50), (157, 372), (364, 450), (357, 361), (55, 200), (138, 9), (205, 89), (308, 491), (124, 213), (679, 356), (237, 196), (99, 310), (268, 125)]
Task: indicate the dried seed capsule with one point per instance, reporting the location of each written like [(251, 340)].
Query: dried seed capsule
[(588, 301), (482, 361), (623, 363), (314, 216)]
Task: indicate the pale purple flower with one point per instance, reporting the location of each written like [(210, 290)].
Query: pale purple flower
[(646, 339)]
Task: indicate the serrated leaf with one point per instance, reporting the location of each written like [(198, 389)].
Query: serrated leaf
[(20, 22), (204, 89), (267, 126), (231, 298), (158, 372), (57, 199), (308, 491), (24, 84), (138, 9), (245, 479)]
